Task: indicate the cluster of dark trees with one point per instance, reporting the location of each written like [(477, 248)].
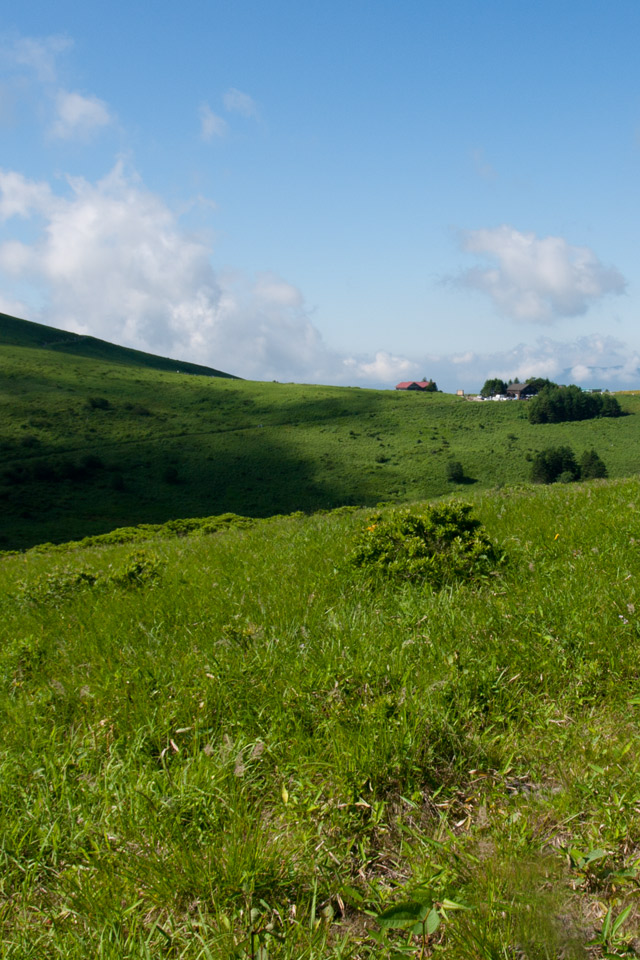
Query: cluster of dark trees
[(559, 464), (555, 404), (494, 387), (497, 386)]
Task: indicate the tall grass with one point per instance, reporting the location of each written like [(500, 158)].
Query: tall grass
[(237, 745)]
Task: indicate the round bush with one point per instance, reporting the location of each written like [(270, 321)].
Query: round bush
[(444, 544)]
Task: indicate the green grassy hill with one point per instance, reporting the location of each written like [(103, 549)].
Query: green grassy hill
[(240, 745), (221, 738), (88, 444), (23, 333)]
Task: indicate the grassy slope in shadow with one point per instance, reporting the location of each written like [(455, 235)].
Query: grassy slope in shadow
[(87, 444)]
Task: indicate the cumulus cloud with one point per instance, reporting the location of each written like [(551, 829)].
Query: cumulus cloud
[(211, 125), (111, 259), (537, 279), (78, 116), (237, 102)]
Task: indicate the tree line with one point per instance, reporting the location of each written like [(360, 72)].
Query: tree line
[(495, 386), (554, 404)]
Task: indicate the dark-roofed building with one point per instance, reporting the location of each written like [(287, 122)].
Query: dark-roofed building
[(520, 391)]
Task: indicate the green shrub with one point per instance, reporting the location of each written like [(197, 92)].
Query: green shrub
[(455, 471), (142, 568), (555, 463), (591, 466), (566, 477), (55, 588), (443, 545)]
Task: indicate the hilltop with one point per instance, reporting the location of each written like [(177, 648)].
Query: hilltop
[(88, 443), (24, 333)]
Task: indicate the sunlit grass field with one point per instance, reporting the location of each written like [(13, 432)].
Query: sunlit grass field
[(90, 443), (236, 744)]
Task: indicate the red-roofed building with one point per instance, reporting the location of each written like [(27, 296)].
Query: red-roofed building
[(415, 385)]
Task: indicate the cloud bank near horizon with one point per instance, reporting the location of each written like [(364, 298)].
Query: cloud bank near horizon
[(110, 259), (592, 361)]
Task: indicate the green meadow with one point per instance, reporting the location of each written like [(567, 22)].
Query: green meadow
[(245, 715), (237, 744), (94, 437)]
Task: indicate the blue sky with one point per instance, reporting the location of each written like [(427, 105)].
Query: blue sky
[(329, 192)]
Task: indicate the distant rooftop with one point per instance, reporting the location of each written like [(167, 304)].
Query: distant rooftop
[(414, 385)]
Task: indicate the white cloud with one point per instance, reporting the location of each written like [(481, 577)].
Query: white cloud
[(580, 372), (211, 125), (110, 259), (594, 361), (20, 197), (38, 53), (69, 114), (462, 357), (261, 328), (78, 117), (13, 307), (536, 279), (237, 102), (385, 368)]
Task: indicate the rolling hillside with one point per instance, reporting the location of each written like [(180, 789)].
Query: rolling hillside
[(23, 333), (263, 736), (90, 443)]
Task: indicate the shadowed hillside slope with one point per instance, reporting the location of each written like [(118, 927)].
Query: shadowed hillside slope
[(88, 444), (24, 333)]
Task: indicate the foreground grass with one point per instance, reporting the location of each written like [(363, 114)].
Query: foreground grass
[(231, 745)]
